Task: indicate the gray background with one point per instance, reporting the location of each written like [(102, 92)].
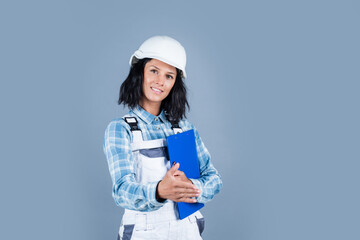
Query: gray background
[(274, 92)]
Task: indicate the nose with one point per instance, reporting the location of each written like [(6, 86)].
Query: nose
[(160, 79)]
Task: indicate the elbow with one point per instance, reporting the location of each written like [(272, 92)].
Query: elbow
[(118, 199), (218, 186), (220, 183), (124, 200), (118, 196), (118, 202)]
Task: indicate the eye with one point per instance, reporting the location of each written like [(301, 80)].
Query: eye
[(153, 70), (170, 76)]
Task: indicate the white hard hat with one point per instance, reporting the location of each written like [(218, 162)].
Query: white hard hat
[(163, 48)]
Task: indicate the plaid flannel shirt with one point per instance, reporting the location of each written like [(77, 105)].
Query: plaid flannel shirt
[(130, 194)]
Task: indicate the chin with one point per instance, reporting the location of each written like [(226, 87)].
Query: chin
[(157, 99)]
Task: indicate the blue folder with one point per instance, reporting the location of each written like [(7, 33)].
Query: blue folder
[(182, 149)]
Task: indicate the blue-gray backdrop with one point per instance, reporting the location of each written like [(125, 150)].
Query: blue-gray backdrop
[(274, 91)]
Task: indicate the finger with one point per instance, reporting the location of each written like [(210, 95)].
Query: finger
[(186, 199), (185, 185), (174, 168), (189, 195), (179, 173), (187, 192)]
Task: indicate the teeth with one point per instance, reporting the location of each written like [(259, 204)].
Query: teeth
[(157, 90)]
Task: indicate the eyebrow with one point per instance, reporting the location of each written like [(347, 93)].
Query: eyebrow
[(159, 69)]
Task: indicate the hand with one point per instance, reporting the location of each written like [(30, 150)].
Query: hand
[(177, 187), (180, 175)]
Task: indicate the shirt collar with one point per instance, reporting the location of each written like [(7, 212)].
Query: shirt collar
[(148, 117)]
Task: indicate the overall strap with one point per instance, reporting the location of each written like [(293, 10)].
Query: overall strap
[(133, 123), (176, 128), (174, 124)]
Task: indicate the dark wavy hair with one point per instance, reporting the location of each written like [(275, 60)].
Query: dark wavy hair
[(174, 104)]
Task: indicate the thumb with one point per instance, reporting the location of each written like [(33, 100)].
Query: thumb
[(174, 168)]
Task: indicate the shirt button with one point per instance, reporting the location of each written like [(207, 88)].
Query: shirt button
[(157, 128), (156, 119)]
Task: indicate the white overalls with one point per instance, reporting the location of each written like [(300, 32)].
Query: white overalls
[(151, 165)]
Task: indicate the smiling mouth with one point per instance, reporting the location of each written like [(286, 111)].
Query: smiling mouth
[(156, 90)]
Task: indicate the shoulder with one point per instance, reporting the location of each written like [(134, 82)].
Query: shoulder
[(116, 124), (118, 127), (186, 125)]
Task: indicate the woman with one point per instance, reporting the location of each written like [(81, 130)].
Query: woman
[(144, 183)]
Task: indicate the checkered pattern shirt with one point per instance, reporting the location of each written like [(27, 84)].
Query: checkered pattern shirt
[(126, 191)]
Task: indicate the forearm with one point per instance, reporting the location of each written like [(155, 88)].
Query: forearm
[(135, 196), (210, 183)]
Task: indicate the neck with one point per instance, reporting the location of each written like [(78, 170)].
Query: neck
[(153, 108)]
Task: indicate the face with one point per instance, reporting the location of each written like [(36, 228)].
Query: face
[(159, 78)]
